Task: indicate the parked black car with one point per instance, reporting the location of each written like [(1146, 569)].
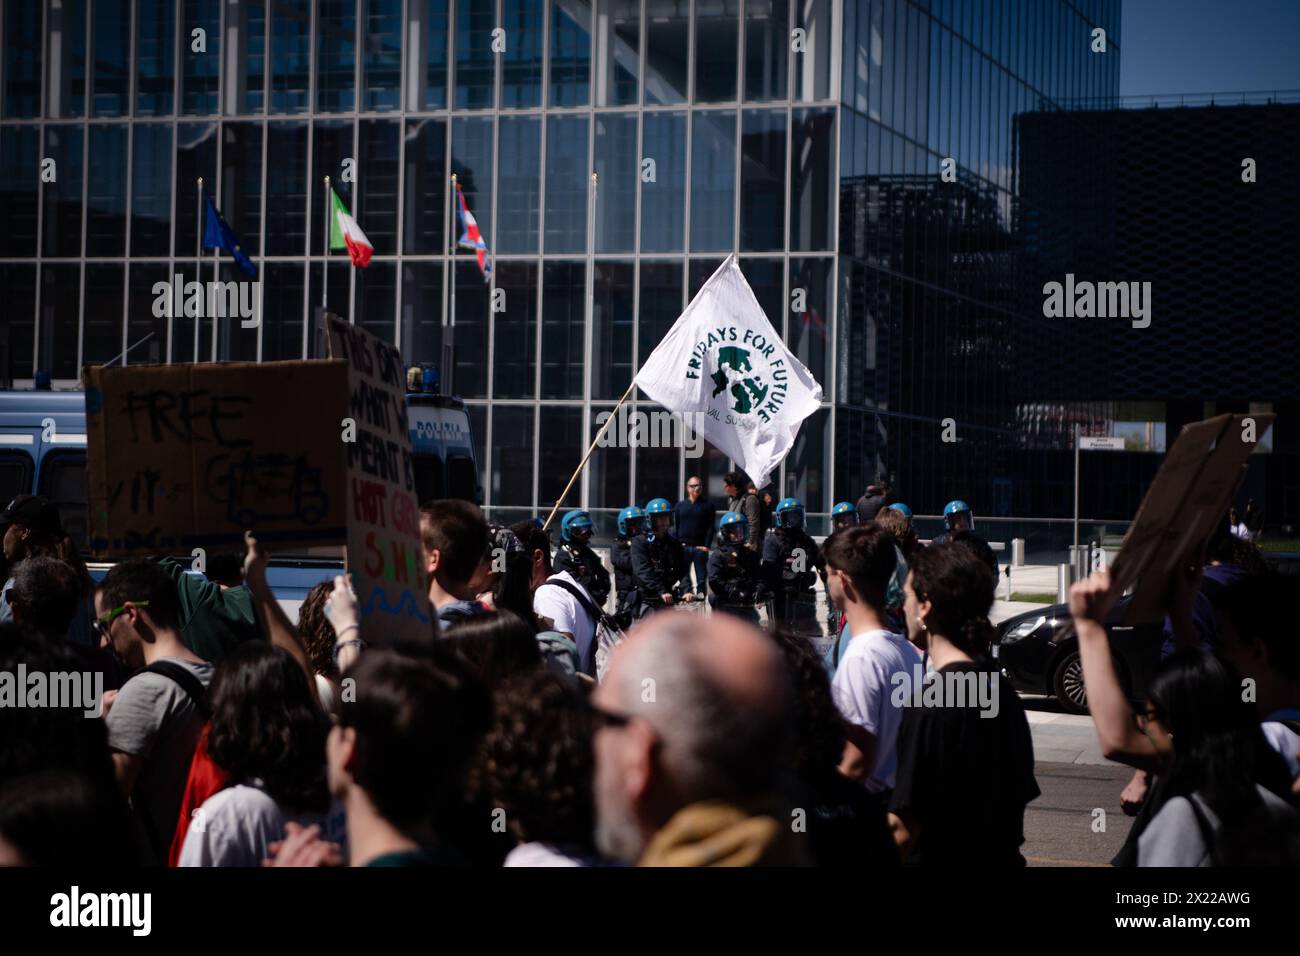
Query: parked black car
[(1040, 657)]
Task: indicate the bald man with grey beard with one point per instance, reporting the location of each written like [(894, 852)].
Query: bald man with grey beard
[(693, 746)]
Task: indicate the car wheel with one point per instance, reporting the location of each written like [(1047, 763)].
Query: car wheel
[(1067, 684)]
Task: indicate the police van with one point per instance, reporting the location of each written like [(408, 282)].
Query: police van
[(43, 451)]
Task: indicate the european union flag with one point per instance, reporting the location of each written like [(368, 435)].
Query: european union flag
[(217, 234)]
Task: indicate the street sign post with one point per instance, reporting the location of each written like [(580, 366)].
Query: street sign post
[(1088, 443)]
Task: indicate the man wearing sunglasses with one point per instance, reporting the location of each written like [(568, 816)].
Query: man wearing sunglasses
[(154, 721), (691, 746)]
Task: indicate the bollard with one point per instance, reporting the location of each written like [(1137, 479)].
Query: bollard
[(1064, 578), (1017, 552)]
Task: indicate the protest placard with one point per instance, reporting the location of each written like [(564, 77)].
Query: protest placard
[(190, 456), (385, 556), (1189, 496)]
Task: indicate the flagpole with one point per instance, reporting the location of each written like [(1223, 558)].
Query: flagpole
[(325, 284), (595, 441), (216, 262), (198, 274), (448, 345)]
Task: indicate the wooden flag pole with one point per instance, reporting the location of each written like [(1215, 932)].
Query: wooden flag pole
[(595, 441)]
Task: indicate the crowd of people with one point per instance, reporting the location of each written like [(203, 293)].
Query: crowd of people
[(559, 714)]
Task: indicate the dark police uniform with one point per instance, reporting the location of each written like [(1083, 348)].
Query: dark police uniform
[(586, 568), (736, 580), (658, 564), (793, 596)]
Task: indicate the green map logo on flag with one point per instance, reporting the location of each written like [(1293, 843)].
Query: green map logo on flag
[(750, 391)]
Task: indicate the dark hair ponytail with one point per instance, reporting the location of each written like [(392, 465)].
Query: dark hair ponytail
[(976, 637), (960, 588)]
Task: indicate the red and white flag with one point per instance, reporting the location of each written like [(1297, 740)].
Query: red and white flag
[(345, 233)]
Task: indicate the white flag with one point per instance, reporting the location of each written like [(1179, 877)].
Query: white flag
[(725, 371)]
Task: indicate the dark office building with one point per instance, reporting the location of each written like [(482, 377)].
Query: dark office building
[(809, 136), (1158, 195)]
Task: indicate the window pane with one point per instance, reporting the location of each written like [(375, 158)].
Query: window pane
[(764, 277), (811, 193), (19, 281), (616, 165), (812, 69), (475, 61), (519, 147), (611, 329), (667, 38), (65, 27), (433, 51), (112, 39), (234, 343), (809, 331), (331, 144), (427, 186), (338, 294), (286, 189), (60, 317), (151, 190), (471, 338), (560, 448), (618, 53), (762, 186), (611, 473), (661, 304), (376, 302), (699, 273), (241, 183), (103, 333), (22, 59), (662, 215), (106, 192), (512, 456), (713, 181), (377, 196), (767, 49), (19, 169), (290, 55), (563, 350), (570, 52), (521, 63), (806, 474), (200, 70), (246, 93), (62, 234), (716, 34), (382, 43), (196, 155), (515, 331), (657, 469), (144, 330), (282, 292), (336, 55), (471, 161), (155, 53), (422, 313), (566, 184)]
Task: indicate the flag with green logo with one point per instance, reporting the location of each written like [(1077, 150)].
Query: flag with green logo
[(728, 374)]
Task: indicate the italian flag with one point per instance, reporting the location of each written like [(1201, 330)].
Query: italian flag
[(344, 232)]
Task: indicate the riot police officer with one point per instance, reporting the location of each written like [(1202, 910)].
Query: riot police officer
[(960, 522), (735, 571), (844, 515), (791, 564), (575, 556), (658, 561), (631, 522)]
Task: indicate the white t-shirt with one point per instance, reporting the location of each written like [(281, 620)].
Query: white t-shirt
[(540, 854), (863, 688), (567, 615), (236, 826), (1283, 739)]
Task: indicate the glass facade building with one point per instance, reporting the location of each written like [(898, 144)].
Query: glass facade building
[(808, 136)]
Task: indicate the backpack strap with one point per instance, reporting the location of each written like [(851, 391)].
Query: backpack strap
[(1208, 835), (596, 614), (182, 676)]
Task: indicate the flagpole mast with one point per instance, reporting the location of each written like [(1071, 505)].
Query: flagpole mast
[(594, 442), (325, 284), (198, 275), (448, 346), (216, 262)]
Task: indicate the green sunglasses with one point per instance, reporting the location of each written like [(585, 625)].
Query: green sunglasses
[(101, 623)]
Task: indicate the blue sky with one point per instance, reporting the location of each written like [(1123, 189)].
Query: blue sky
[(1209, 46)]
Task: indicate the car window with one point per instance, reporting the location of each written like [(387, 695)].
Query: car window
[(15, 475), (63, 481), (462, 477), (428, 478)]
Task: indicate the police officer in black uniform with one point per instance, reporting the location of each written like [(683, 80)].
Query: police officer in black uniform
[(791, 563), (631, 522), (735, 571), (658, 562), (575, 556)]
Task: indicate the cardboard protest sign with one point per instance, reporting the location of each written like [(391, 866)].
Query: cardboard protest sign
[(385, 556), (1188, 497), (190, 456)]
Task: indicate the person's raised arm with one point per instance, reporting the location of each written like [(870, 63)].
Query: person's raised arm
[(345, 616), (274, 621), (1117, 730)]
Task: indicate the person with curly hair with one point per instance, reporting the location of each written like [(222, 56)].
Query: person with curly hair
[(845, 827), (318, 639), (268, 736), (537, 765)]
